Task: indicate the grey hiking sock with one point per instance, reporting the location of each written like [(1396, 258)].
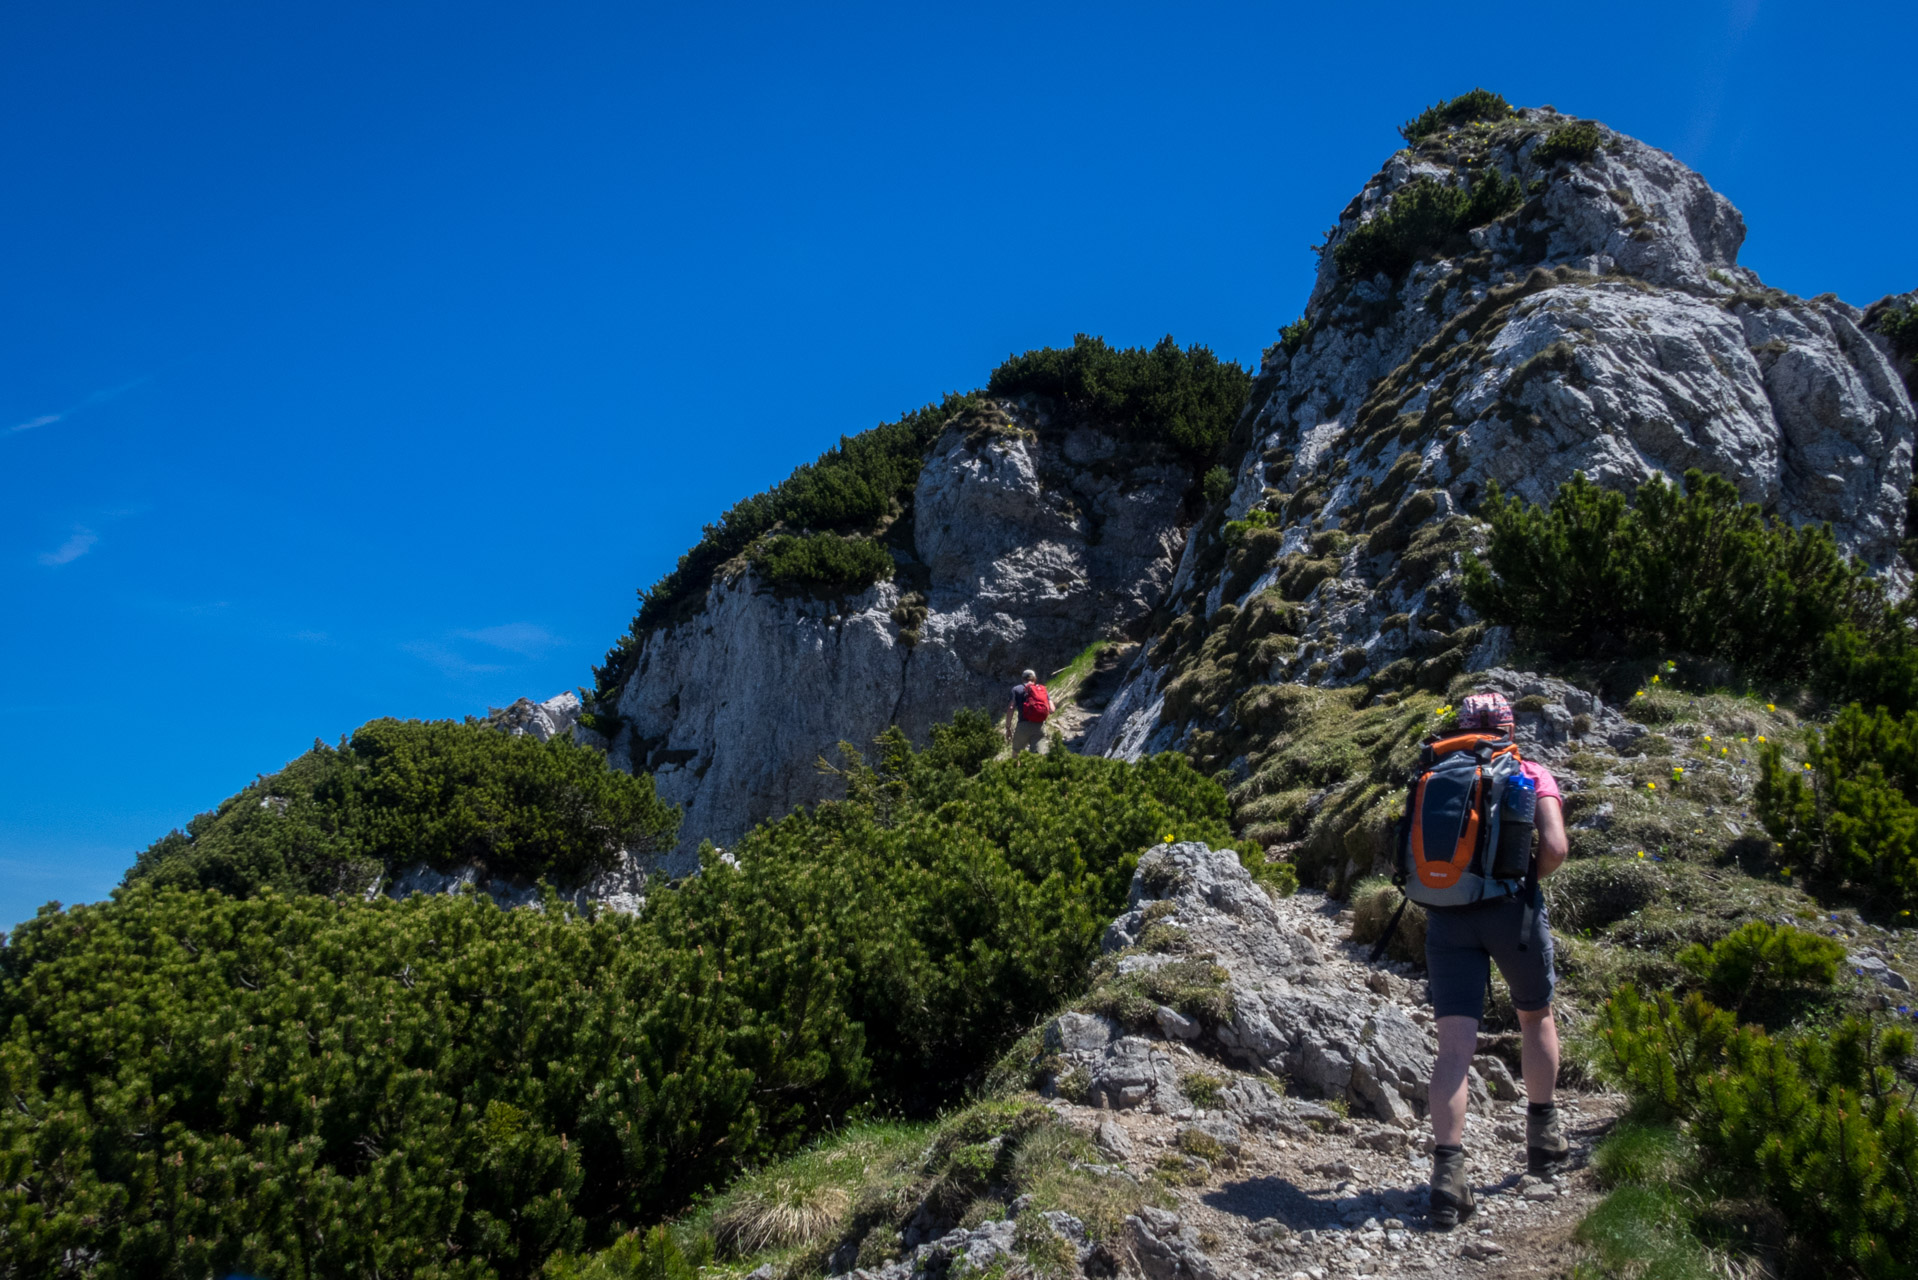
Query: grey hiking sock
[(1452, 1200)]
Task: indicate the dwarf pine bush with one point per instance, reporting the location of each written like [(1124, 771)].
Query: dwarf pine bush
[(1692, 569), (303, 1085), (1821, 1129), (1850, 820), (1475, 105), (1573, 142), (822, 562), (1188, 399), (1422, 217), (400, 791), (1760, 965)]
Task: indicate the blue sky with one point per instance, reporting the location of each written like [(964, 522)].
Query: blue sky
[(363, 360)]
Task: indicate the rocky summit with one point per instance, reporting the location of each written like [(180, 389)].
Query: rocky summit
[(1595, 320)]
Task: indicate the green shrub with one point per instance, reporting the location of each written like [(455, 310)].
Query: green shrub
[(1280, 879), (1423, 217), (637, 1255), (1479, 104), (1216, 487), (1874, 664), (1292, 336), (1186, 399), (1900, 324), (1696, 571), (1574, 142), (1257, 518), (302, 1086), (400, 791), (1850, 819), (298, 1086), (822, 562), (1760, 964), (1820, 1128)]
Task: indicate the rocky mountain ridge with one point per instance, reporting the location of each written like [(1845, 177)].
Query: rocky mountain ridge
[(1595, 320)]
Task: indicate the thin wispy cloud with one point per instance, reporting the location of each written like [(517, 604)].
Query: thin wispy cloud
[(87, 402), (72, 549), (447, 661), (528, 639)]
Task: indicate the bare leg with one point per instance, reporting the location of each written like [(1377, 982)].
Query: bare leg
[(1458, 1038), (1539, 1056)]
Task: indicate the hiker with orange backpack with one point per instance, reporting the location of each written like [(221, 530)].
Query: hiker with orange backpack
[(1466, 855), (1026, 715)]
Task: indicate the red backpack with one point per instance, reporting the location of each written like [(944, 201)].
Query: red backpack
[(1036, 705)]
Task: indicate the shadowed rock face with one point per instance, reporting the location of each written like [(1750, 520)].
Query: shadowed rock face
[(1030, 541), (1602, 327)]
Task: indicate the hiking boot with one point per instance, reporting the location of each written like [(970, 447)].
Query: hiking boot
[(1546, 1147), (1452, 1201)]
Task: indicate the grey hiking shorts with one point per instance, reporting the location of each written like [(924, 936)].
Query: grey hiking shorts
[(1028, 735), (1461, 943)]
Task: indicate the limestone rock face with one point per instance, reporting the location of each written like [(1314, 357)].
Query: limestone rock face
[(1300, 1010), (1604, 326), (543, 720), (1029, 542)]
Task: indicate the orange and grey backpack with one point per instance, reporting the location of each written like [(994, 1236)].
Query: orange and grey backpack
[(1459, 843), (1449, 840)]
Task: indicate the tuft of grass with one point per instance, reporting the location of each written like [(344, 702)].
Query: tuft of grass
[(1643, 1153), (1643, 1232), (802, 1201), (1195, 987), (787, 1212), (1202, 1088)]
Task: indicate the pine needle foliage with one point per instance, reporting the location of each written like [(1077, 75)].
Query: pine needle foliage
[(1692, 570), (1760, 965), (1449, 113), (1423, 217), (1573, 142), (1849, 821), (398, 791), (302, 1085), (823, 562), (1188, 399), (1821, 1128)]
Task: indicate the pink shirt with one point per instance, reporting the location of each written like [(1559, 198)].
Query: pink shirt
[(1542, 779)]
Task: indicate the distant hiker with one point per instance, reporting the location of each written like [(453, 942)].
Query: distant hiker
[(1026, 715), (1466, 854)]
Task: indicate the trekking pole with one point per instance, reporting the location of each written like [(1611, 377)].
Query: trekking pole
[(1378, 948)]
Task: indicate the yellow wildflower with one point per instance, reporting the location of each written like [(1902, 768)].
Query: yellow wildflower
[(1654, 679), (1651, 786), (1771, 706)]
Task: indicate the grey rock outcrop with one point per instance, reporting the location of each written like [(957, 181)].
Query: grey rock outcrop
[(620, 888), (1030, 542), (558, 715), (1605, 327), (1167, 1248), (1299, 1012)]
